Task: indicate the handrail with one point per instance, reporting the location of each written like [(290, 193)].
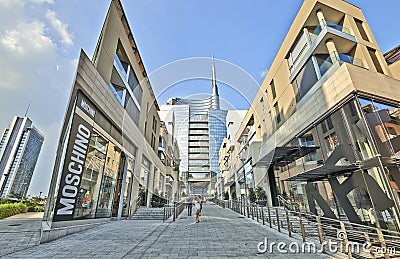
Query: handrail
[(288, 203), (320, 229), (174, 210)]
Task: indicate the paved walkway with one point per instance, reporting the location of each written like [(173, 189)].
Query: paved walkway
[(20, 231), (221, 233)]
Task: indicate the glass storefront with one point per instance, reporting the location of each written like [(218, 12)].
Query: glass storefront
[(362, 133), (91, 177), (108, 184), (91, 181)]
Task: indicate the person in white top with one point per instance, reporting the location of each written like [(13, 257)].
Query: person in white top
[(197, 208)]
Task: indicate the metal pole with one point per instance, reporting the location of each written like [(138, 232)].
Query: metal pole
[(288, 224), (277, 219)]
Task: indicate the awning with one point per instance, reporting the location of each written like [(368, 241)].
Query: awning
[(281, 156), (323, 173)]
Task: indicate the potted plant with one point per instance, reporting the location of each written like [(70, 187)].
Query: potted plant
[(261, 196)]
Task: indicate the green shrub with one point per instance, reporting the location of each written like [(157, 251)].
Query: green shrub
[(260, 193), (35, 208), (252, 195), (10, 209)]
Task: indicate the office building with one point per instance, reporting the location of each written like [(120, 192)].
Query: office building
[(200, 130), (325, 120), (20, 147)]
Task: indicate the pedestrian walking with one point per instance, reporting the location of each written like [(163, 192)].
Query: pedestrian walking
[(189, 206), (197, 209)]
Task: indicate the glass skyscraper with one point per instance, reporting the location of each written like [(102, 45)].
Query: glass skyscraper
[(200, 129), (20, 146)]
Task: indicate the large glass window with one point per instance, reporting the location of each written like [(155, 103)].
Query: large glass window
[(107, 188), (91, 177)]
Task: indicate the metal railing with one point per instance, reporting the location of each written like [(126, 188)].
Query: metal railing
[(351, 239), (174, 210)]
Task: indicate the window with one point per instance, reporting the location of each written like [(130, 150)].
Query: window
[(332, 141), (329, 122), (372, 53), (323, 126), (273, 89), (277, 112), (153, 141), (154, 126), (360, 27)]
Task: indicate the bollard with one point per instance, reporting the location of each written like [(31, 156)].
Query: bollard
[(252, 211), (288, 224), (257, 212), (277, 219), (262, 215), (269, 218), (303, 232), (320, 233)]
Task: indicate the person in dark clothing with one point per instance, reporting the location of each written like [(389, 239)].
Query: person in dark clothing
[(189, 207)]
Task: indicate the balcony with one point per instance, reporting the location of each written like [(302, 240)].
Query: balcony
[(310, 43), (337, 27), (339, 57)]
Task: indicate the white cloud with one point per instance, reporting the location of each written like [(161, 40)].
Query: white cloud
[(263, 73), (29, 58), (60, 27), (26, 37), (43, 1)]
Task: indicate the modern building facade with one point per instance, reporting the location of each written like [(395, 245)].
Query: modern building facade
[(20, 146), (226, 180), (199, 132), (323, 128), (108, 159)]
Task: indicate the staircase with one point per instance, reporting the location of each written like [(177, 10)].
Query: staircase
[(144, 213)]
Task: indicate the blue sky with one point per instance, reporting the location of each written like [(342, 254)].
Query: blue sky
[(40, 42)]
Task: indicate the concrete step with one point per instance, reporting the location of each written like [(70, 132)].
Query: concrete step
[(149, 214)]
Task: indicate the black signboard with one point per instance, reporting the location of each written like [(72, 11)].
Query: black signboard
[(74, 161)]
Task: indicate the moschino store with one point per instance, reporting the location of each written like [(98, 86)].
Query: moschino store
[(97, 169)]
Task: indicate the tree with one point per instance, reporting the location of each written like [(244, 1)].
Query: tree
[(252, 195), (226, 195), (233, 195), (260, 193)]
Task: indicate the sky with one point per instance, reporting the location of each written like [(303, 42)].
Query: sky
[(40, 41)]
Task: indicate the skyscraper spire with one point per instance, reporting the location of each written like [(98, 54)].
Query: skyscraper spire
[(214, 91)]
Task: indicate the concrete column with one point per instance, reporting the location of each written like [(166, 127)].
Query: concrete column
[(136, 179), (321, 18), (150, 185), (330, 45), (121, 197)]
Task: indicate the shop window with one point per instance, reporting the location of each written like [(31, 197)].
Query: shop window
[(90, 185)]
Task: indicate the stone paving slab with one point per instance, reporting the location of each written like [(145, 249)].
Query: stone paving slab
[(220, 234)]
